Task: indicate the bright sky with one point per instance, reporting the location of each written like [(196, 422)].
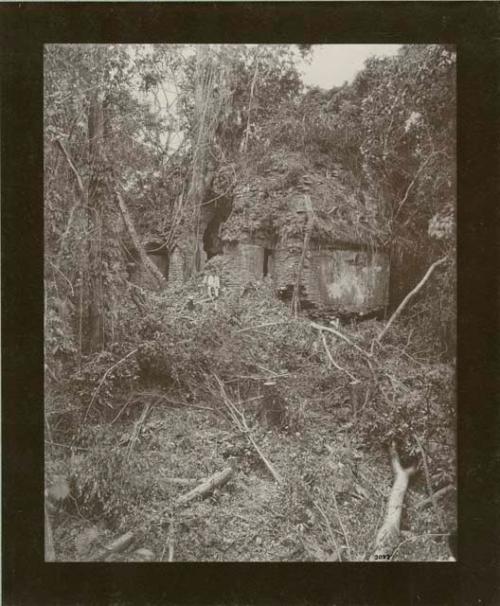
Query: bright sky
[(333, 64)]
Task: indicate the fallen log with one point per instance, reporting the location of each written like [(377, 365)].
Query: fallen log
[(388, 535), (116, 546), (218, 479)]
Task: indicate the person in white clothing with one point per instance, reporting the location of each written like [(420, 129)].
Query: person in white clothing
[(213, 285)]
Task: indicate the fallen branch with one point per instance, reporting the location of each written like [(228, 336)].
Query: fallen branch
[(337, 366), (411, 294), (341, 524), (388, 535), (239, 420), (262, 325), (137, 428), (70, 446), (266, 462), (104, 378), (218, 479), (341, 336), (438, 494), (116, 546)]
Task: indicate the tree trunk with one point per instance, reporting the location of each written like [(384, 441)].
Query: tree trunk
[(388, 535)]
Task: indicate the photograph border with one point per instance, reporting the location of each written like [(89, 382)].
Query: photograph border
[(24, 29)]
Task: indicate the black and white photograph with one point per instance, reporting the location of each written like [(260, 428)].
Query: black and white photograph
[(250, 302)]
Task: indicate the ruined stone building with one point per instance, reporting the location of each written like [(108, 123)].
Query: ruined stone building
[(343, 269)]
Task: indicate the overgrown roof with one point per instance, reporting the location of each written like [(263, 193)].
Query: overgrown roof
[(271, 200)]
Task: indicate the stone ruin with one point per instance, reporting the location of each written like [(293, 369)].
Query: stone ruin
[(344, 277)]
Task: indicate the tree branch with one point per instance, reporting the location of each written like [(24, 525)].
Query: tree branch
[(337, 366), (146, 261), (411, 294), (79, 181), (412, 183), (341, 336), (81, 191)]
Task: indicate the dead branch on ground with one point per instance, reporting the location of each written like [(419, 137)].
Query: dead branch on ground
[(388, 535), (218, 479), (341, 524), (341, 336), (137, 428), (337, 366), (239, 420)]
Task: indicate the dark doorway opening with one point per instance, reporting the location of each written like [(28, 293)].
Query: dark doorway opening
[(162, 262), (212, 243)]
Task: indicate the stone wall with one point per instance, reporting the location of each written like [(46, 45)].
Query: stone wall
[(348, 281), (245, 262), (176, 268)]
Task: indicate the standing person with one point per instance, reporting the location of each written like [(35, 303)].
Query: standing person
[(212, 282), (216, 285)]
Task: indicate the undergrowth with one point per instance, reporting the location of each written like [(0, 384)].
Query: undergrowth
[(138, 420)]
